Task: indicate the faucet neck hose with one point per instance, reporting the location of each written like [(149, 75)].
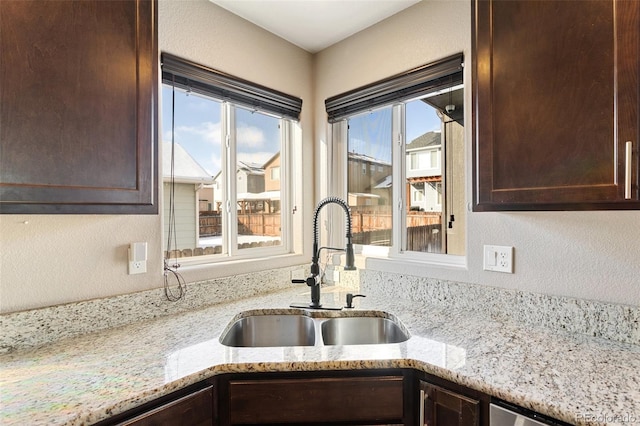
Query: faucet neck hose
[(316, 236)]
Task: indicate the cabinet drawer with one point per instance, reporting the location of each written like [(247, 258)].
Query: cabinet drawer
[(353, 399), (195, 409)]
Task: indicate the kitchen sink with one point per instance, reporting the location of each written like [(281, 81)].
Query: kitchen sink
[(271, 330), (361, 331), (262, 329)]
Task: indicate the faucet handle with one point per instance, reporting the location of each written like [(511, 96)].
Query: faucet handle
[(350, 297), (310, 281)]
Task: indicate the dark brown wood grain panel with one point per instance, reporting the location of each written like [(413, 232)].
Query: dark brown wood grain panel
[(555, 97), (443, 407), (192, 410), (317, 400), (79, 95)]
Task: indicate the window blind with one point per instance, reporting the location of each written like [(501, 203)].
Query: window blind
[(197, 78), (411, 84)]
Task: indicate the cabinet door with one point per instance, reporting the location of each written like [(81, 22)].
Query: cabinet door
[(442, 407), (78, 106), (555, 103), (195, 409), (357, 400)]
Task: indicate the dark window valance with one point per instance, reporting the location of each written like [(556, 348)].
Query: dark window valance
[(206, 81), (400, 87)]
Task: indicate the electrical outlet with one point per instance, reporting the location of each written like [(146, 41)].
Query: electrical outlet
[(498, 259), (139, 267), (137, 258)]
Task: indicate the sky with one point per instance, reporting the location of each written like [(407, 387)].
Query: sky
[(197, 128), (370, 133)]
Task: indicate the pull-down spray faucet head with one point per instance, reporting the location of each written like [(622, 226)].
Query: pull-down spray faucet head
[(313, 281), (350, 258)]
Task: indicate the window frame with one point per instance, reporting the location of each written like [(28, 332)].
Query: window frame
[(290, 139), (396, 250)]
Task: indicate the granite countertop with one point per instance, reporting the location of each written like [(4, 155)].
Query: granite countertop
[(85, 379)]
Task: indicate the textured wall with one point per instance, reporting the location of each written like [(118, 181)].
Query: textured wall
[(590, 255), (57, 259)]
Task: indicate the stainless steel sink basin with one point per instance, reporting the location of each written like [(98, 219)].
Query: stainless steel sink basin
[(277, 328), (362, 331), (271, 330)]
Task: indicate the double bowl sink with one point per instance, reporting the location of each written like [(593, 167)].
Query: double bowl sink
[(270, 328)]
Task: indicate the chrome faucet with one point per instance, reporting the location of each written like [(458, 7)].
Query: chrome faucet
[(313, 280)]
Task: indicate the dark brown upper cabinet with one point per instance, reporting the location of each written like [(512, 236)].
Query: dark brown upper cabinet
[(78, 106), (555, 104)]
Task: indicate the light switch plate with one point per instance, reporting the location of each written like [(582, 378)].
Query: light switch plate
[(498, 259)]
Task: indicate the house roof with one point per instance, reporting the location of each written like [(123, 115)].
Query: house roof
[(366, 158), (248, 168), (384, 183), (251, 196), (185, 168), (251, 168), (271, 160), (426, 140)]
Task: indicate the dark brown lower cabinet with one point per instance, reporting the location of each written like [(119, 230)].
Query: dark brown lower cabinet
[(446, 404), (182, 408), (345, 397)]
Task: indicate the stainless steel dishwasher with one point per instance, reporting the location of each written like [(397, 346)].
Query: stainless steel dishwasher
[(508, 415)]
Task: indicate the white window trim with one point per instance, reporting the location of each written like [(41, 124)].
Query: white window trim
[(338, 182), (289, 225)]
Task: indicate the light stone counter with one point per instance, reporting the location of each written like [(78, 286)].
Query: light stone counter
[(81, 380)]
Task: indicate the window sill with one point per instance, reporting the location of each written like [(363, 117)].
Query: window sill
[(423, 265), (193, 271)]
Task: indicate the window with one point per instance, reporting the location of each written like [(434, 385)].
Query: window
[(275, 173), (415, 160), (435, 158), (369, 196), (226, 170), (417, 204)]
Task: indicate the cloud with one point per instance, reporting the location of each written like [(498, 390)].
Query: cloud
[(208, 131), (249, 136)]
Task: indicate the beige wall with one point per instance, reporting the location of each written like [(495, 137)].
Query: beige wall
[(591, 255), (52, 259)]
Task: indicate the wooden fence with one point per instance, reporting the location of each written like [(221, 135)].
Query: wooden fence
[(266, 224), (427, 238), (372, 227)]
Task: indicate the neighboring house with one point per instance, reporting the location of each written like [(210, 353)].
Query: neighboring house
[(369, 180), (250, 178), (272, 173), (424, 172), (252, 194), (189, 180), (272, 184)]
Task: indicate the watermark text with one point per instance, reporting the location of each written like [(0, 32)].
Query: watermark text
[(608, 418)]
